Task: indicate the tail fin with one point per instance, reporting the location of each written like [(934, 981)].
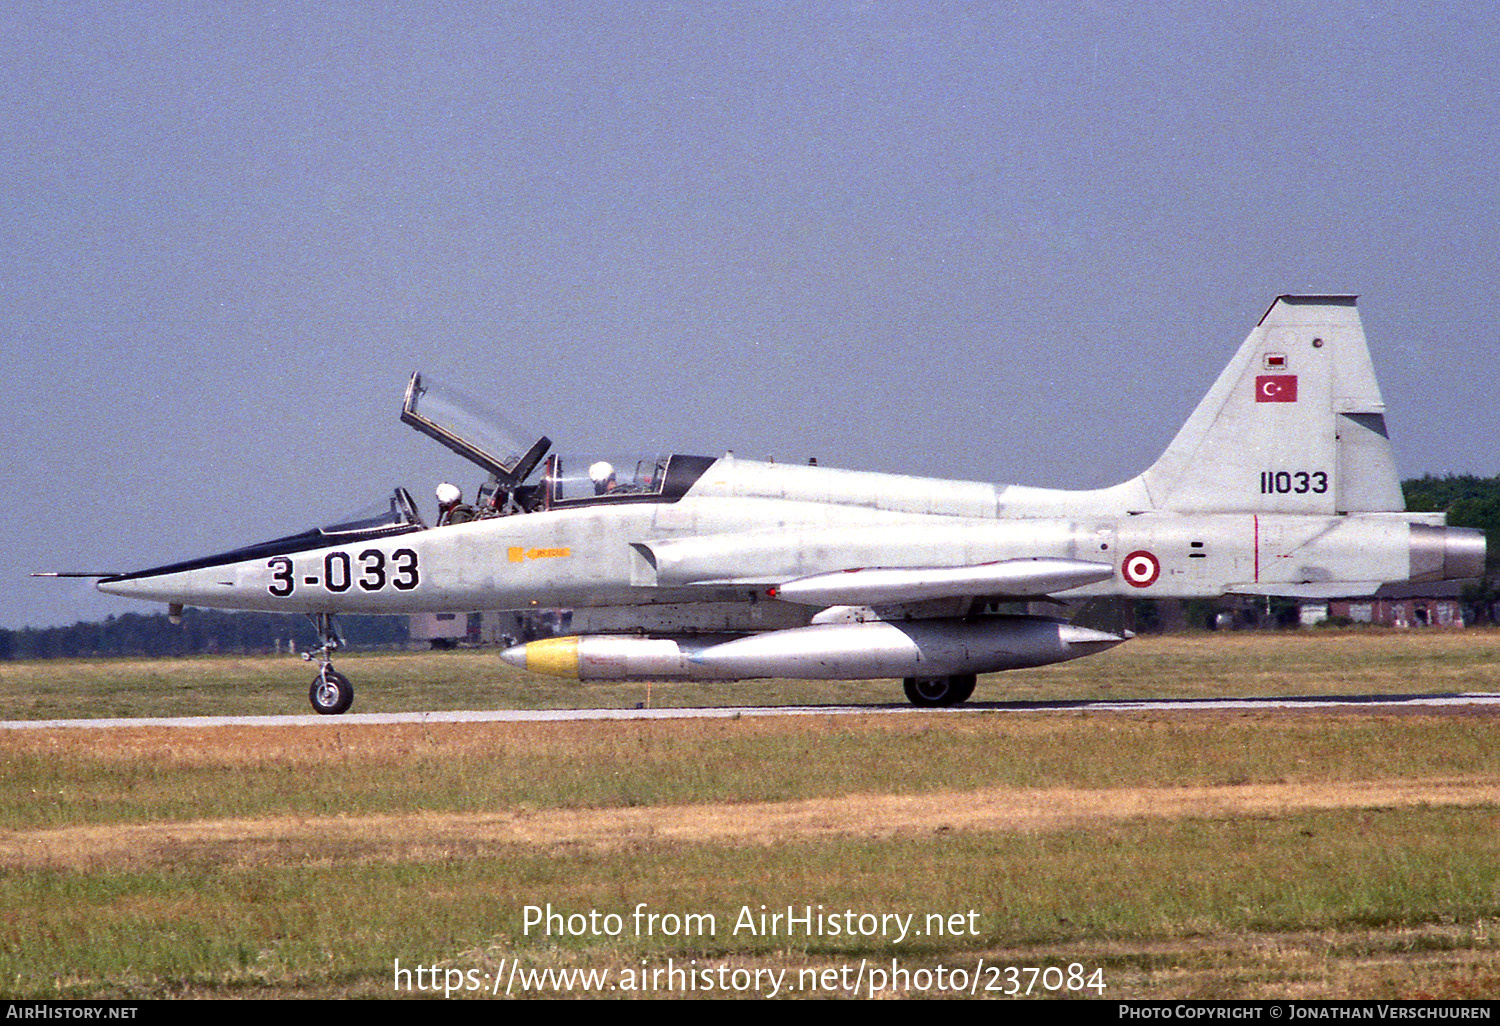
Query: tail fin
[(1295, 424)]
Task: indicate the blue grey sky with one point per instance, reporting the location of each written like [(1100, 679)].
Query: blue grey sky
[(993, 241)]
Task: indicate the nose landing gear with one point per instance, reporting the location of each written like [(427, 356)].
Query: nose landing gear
[(331, 693)]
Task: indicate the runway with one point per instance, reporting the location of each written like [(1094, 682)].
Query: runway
[(1365, 703)]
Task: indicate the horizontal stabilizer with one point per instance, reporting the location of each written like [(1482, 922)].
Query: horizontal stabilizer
[(1308, 590), (878, 586)]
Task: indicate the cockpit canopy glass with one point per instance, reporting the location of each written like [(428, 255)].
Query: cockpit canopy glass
[(397, 511), (487, 438), (571, 478), (473, 429)]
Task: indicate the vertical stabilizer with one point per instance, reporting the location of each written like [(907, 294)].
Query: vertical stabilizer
[(1295, 424)]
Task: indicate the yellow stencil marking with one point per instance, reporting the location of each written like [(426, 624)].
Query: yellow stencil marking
[(519, 555)]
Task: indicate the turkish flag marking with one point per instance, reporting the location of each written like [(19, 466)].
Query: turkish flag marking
[(1276, 388)]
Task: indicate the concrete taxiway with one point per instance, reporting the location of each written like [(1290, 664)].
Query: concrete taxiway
[(1366, 703)]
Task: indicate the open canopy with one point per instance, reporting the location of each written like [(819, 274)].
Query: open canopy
[(487, 438), (472, 429)]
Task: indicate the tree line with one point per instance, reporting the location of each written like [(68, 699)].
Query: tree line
[(201, 632), (1469, 501)]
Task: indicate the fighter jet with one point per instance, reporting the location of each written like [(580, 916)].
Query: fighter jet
[(680, 567)]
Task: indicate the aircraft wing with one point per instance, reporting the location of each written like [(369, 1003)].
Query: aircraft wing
[(843, 566), (771, 562), (884, 586)]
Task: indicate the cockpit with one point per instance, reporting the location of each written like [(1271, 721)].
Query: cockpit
[(485, 437)]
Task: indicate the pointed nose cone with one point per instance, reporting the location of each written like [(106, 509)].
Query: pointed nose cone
[(110, 587), (214, 581), (1082, 641), (156, 587)]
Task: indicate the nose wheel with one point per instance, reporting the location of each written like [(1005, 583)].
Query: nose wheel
[(331, 693)]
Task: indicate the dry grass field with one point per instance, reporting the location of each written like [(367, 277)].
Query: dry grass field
[(1066, 853)]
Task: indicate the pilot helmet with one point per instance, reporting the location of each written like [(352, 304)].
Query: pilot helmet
[(601, 472), (448, 495)]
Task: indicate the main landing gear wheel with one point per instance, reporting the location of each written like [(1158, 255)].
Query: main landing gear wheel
[(931, 692), (331, 693)]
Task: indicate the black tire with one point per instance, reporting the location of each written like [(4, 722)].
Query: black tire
[(934, 692), (963, 688), (331, 693)]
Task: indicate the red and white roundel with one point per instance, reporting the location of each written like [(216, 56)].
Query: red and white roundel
[(1140, 569)]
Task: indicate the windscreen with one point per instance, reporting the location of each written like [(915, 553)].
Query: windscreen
[(396, 511)]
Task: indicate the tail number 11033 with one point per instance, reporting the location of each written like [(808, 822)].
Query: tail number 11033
[(1293, 482)]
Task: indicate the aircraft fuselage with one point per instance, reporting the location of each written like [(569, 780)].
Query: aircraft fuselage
[(732, 547)]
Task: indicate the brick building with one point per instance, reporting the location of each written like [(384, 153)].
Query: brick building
[(1406, 605)]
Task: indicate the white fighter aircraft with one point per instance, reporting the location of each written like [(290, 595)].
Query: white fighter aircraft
[(1282, 482)]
